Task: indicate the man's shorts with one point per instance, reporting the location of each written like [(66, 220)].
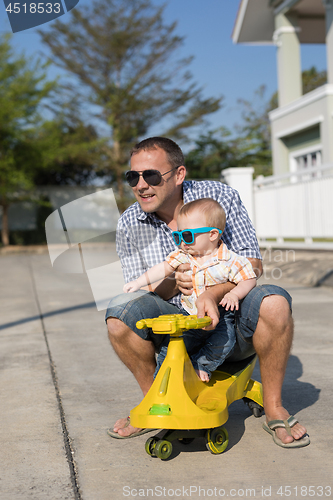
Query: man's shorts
[(131, 307)]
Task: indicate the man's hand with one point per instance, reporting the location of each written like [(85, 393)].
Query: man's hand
[(207, 306), (183, 280)]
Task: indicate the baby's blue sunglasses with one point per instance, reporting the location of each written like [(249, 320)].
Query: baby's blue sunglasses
[(187, 235)]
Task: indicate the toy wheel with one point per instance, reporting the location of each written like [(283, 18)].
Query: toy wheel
[(150, 446), (163, 449), (217, 440), (185, 440), (257, 410)]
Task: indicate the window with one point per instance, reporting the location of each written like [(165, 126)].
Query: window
[(304, 160)]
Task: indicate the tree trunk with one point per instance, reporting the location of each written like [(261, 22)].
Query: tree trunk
[(119, 174), (5, 228), (120, 184)]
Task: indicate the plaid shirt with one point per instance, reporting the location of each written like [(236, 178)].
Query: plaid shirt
[(224, 265), (143, 240)]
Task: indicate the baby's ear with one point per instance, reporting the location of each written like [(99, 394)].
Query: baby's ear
[(214, 235)]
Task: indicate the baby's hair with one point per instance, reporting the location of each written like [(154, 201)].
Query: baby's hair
[(214, 213)]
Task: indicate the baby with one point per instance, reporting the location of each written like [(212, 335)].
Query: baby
[(200, 226)]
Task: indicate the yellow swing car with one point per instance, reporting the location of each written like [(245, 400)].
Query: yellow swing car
[(179, 402)]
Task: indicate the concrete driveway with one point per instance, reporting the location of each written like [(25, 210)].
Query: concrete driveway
[(62, 387)]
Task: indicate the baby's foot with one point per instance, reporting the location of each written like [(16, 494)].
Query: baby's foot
[(202, 375)]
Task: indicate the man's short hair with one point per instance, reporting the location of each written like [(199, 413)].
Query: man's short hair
[(214, 213), (174, 153)]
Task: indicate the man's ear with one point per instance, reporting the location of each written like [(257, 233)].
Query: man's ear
[(181, 173)]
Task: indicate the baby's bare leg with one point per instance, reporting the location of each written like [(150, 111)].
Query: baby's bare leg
[(202, 375)]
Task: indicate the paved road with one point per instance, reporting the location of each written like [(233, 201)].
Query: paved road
[(62, 387)]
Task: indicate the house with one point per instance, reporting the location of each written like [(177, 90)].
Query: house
[(302, 125)]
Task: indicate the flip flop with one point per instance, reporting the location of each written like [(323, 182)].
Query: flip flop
[(115, 435), (286, 424)]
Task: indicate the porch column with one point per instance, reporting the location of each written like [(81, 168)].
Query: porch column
[(288, 59), (329, 38)]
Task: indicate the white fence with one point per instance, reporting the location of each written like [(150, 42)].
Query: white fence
[(294, 209), (297, 207)]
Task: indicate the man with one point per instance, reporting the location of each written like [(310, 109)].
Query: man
[(144, 238)]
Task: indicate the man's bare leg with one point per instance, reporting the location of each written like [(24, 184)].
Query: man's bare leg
[(139, 357), (272, 341)]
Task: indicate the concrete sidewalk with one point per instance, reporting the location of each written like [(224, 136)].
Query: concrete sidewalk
[(62, 387)]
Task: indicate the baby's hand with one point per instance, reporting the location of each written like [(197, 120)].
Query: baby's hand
[(230, 301), (132, 286)]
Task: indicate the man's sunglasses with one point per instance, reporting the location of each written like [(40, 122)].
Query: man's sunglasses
[(187, 235), (151, 177)]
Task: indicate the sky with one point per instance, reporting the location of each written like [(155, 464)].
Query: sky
[(219, 66)]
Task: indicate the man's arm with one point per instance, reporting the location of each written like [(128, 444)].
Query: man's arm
[(239, 234), (182, 282), (257, 266), (231, 299), (167, 288), (136, 245), (184, 285), (207, 303)]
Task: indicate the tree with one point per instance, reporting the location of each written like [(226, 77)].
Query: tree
[(213, 152), (23, 86), (123, 55), (312, 79), (255, 133), (70, 152), (35, 151)]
